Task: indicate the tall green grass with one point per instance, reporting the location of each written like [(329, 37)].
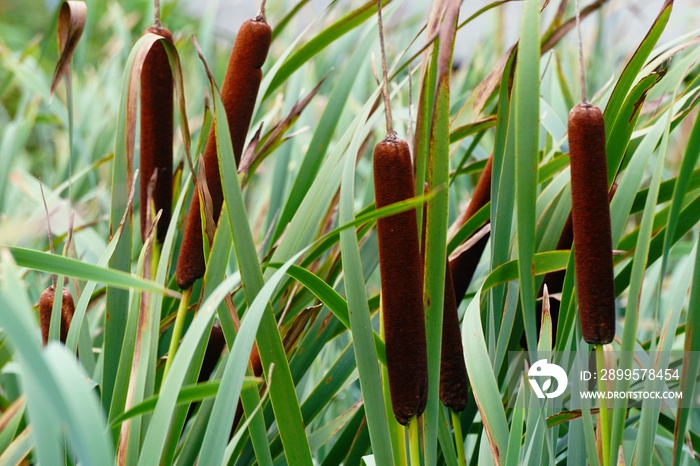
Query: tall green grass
[(294, 258)]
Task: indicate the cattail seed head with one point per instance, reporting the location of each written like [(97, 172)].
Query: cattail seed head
[(401, 271), (464, 265), (555, 280), (590, 212), (255, 361), (238, 95), (242, 80), (215, 345), (190, 260), (156, 134), (453, 370), (45, 307)]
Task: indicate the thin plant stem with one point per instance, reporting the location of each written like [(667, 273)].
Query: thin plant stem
[(156, 14), (582, 73), (409, 136), (48, 217), (262, 14), (401, 446), (48, 229), (421, 435), (71, 135), (71, 156), (459, 440), (385, 75), (177, 330), (414, 441), (604, 415)]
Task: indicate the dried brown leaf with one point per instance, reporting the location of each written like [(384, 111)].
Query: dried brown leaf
[(249, 154), (260, 148), (205, 200), (140, 332), (71, 22), (448, 30), (557, 34), (473, 239), (148, 40)]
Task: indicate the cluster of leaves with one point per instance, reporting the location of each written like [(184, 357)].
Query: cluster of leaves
[(294, 257)]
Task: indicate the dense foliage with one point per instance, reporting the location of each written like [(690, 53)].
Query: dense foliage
[(292, 268)]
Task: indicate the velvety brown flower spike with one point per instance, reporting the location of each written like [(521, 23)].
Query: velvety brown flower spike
[(215, 346), (45, 307), (401, 273), (454, 386), (156, 134), (555, 280), (453, 370), (238, 94), (590, 211)]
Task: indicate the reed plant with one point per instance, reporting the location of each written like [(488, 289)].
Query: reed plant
[(253, 317)]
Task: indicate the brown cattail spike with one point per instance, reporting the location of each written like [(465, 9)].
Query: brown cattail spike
[(157, 134), (215, 346), (555, 280), (591, 221), (242, 80), (453, 371), (238, 94), (464, 265), (45, 307), (401, 270)]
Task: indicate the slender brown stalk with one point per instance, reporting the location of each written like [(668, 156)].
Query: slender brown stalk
[(238, 94), (401, 273), (156, 13), (385, 78), (582, 69), (593, 262), (156, 157), (464, 265)]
